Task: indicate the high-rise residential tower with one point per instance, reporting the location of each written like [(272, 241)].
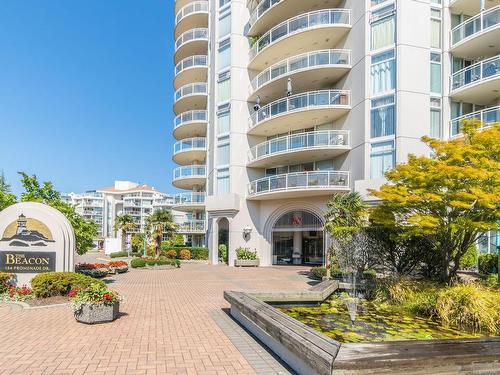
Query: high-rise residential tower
[(280, 104)]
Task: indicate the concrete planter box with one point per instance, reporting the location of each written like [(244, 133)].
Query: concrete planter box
[(246, 263), (93, 314)]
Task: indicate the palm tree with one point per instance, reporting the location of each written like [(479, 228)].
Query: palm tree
[(124, 223), (158, 224), (345, 217)]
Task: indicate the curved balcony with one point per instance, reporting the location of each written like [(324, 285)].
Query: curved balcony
[(189, 201), (191, 226), (191, 96), (315, 30), (478, 83), (179, 4), (191, 124), (295, 148), (189, 176), (271, 12), (191, 43), (478, 36), (294, 185), (470, 7), (299, 111), (307, 72), (487, 117), (192, 15), (192, 69), (190, 150)]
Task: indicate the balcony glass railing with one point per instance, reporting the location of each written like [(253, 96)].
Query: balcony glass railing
[(189, 171), (191, 116), (194, 34), (481, 22), (299, 23), (194, 7), (189, 198), (191, 226), (302, 141), (189, 144), (191, 89), (472, 74), (300, 180), (487, 117), (307, 100), (305, 61), (191, 62), (262, 8)]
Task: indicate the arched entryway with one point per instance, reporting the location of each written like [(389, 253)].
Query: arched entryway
[(223, 238), (298, 238)]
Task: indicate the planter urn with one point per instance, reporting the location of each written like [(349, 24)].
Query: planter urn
[(94, 314), (246, 262)]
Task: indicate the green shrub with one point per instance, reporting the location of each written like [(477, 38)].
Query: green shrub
[(223, 253), (490, 281), (318, 272), (198, 253), (469, 259), (395, 290), (172, 254), (488, 263), (49, 284), (119, 254), (5, 280), (138, 263), (185, 254), (369, 274), (244, 253)]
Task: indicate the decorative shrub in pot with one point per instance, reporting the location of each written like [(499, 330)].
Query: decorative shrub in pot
[(96, 304), (246, 258), (119, 266)]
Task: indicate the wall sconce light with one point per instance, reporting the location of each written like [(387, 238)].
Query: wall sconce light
[(246, 233)]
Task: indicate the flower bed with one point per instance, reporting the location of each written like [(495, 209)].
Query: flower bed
[(96, 270), (96, 304), (119, 266)]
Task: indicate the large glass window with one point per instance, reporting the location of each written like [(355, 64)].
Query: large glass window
[(383, 32), (382, 158), (435, 28), (223, 151), (223, 2), (435, 130), (223, 181), (224, 58), (383, 117), (224, 87), (436, 78), (383, 72), (223, 122), (224, 25)]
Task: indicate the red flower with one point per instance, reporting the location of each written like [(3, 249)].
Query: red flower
[(72, 293), (108, 296)]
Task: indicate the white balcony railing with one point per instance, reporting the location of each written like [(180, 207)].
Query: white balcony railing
[(330, 57), (190, 117), (302, 141), (299, 181), (194, 34), (191, 89), (190, 144), (193, 198), (262, 8), (475, 73), (190, 171), (198, 61), (487, 117), (194, 7), (300, 23), (475, 25), (191, 226), (307, 100)]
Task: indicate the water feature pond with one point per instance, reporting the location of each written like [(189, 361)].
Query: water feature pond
[(374, 322)]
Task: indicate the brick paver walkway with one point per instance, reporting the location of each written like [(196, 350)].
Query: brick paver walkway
[(168, 326)]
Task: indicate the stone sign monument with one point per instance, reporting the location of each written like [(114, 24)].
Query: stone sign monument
[(35, 238)]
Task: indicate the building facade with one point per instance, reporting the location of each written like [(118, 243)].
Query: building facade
[(280, 104), (139, 201)]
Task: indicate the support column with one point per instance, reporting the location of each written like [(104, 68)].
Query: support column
[(297, 247)]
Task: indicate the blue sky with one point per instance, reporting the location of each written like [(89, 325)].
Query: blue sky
[(86, 92)]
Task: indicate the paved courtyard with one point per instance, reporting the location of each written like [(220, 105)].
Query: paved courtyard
[(173, 322)]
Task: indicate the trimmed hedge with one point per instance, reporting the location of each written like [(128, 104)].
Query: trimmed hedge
[(197, 253), (119, 254), (143, 262), (50, 284), (488, 263)]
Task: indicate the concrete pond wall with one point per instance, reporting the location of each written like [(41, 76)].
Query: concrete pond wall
[(310, 352)]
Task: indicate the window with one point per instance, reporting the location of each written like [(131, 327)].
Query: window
[(435, 28), (436, 79), (223, 122), (381, 158), (383, 117), (383, 32), (223, 149), (435, 130), (224, 87), (223, 181), (224, 58), (383, 72), (224, 25), (223, 2)]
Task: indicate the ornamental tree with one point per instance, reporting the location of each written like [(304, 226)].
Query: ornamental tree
[(160, 224), (450, 198), (6, 196)]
